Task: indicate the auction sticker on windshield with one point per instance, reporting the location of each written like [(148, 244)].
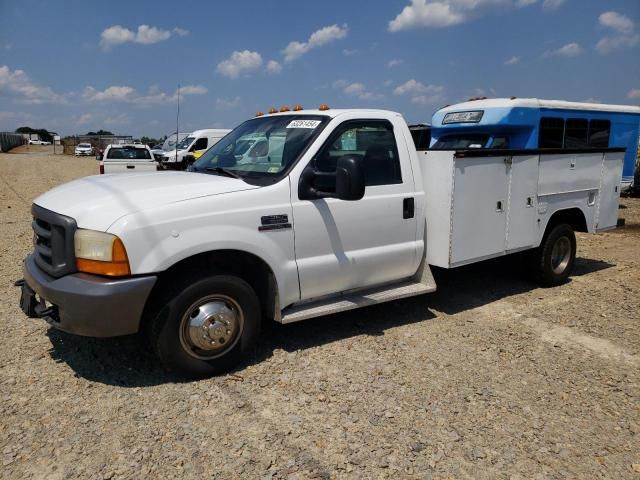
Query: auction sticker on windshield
[(303, 124)]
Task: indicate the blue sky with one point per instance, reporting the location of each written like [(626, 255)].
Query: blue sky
[(74, 66)]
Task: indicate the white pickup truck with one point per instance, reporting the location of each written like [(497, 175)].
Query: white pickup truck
[(346, 213), (127, 158)]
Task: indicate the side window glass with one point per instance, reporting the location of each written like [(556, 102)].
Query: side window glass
[(575, 134), (599, 131), (373, 141), (201, 144), (551, 132)]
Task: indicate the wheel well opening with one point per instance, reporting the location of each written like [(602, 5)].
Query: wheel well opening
[(570, 216), (251, 268)]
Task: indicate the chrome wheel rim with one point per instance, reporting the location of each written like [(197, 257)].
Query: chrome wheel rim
[(211, 327), (560, 255)]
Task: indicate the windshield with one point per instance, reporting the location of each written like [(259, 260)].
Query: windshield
[(185, 142), (84, 145), (453, 142), (263, 147)]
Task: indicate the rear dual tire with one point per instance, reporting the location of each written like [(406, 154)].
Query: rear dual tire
[(553, 261)]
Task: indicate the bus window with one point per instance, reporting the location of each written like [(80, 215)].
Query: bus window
[(453, 142), (599, 133), (575, 134), (500, 142), (551, 132)]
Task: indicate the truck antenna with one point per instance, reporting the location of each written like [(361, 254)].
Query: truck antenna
[(178, 123)]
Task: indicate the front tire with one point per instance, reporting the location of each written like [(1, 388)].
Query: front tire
[(553, 261), (208, 327)]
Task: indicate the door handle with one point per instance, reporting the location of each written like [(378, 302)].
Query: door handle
[(131, 166), (408, 208)]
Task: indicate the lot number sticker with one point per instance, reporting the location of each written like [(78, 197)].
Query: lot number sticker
[(304, 124)]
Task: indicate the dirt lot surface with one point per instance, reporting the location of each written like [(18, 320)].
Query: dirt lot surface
[(490, 377)]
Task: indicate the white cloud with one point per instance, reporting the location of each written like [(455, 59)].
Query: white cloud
[(84, 119), (569, 50), (420, 93), (415, 87), (395, 62), (273, 67), (323, 36), (608, 44), (356, 89), (227, 104), (18, 83), (446, 13), (127, 94), (181, 32), (347, 52), (634, 93), (513, 60), (145, 35), (549, 5), (193, 90), (240, 63), (423, 14), (623, 36), (616, 21)]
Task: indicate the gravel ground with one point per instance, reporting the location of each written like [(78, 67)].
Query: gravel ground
[(490, 377)]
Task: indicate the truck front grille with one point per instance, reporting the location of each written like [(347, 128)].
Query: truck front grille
[(53, 241)]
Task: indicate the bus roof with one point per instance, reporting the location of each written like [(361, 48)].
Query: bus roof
[(538, 103)]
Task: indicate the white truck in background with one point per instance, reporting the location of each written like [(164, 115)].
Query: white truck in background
[(346, 213), (127, 158), (192, 146)]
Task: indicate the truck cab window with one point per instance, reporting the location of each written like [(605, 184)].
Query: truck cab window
[(551, 132), (371, 140)]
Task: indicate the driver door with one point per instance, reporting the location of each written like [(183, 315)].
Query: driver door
[(342, 245)]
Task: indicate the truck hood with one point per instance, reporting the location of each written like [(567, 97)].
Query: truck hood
[(96, 202)]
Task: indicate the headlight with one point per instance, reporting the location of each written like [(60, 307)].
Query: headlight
[(100, 253)]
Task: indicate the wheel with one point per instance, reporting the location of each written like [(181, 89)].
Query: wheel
[(208, 327), (553, 261)]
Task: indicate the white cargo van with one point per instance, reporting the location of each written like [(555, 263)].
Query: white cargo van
[(341, 212), (195, 144)]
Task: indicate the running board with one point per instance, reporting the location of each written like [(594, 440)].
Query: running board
[(351, 300)]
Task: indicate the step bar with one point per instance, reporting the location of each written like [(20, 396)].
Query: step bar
[(355, 299)]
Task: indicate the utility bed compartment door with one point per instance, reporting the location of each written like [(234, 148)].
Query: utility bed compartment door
[(479, 213), (609, 198), (522, 230)]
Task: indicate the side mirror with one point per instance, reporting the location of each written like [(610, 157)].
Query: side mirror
[(348, 177), (99, 157)]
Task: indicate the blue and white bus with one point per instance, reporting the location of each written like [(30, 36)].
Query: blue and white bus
[(529, 123)]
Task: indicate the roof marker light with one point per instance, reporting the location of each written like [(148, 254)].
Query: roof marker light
[(273, 110), (284, 108), (259, 114), (297, 108), (323, 107)]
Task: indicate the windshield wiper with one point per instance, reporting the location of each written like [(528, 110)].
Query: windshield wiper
[(223, 171)]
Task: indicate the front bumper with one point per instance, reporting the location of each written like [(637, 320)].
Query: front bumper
[(89, 305)]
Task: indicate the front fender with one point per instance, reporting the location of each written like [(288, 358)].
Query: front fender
[(158, 238)]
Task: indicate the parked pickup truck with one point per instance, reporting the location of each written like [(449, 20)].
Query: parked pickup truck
[(344, 213), (127, 158)]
